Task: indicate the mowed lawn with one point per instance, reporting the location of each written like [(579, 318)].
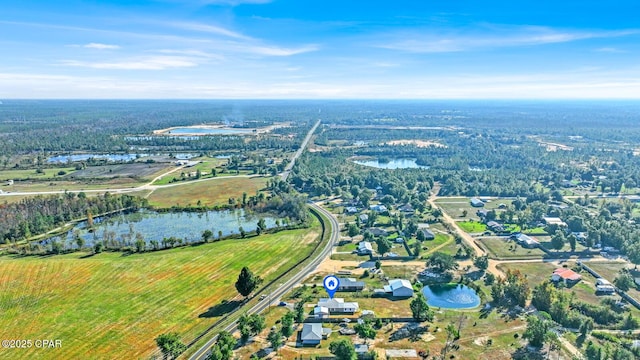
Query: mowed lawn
[(210, 193), (112, 306)]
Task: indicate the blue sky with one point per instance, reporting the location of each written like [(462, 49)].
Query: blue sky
[(431, 49)]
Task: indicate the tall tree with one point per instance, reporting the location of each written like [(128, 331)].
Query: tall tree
[(343, 349), (384, 245), (247, 282), (419, 308), (537, 331), (170, 345)]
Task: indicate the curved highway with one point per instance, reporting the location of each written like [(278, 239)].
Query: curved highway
[(203, 352)]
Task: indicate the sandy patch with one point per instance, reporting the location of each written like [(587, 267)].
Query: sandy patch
[(418, 143), (481, 341)]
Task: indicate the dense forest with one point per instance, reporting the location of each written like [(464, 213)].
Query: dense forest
[(37, 215)]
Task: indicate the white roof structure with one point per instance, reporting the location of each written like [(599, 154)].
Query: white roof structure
[(399, 287), (365, 246), (311, 332), (554, 221), (338, 305)]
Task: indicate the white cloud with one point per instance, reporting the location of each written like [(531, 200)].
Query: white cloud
[(609, 50), (275, 50), (487, 37), (206, 28), (100, 46), (144, 63)]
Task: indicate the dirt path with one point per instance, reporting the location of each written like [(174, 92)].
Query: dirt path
[(464, 235)]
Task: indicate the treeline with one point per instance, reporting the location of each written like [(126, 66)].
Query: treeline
[(107, 126), (37, 215), (326, 174)]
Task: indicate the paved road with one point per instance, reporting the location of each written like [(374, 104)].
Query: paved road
[(150, 186), (275, 295), (303, 146)]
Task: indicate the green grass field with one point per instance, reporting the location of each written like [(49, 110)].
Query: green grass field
[(501, 249), (31, 174), (472, 226), (210, 193), (112, 306)]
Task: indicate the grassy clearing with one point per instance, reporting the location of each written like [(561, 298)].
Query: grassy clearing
[(472, 226), (31, 174), (502, 249), (209, 193), (113, 306)]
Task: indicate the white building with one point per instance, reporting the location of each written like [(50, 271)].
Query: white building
[(321, 312), (338, 306), (399, 288), (365, 248)]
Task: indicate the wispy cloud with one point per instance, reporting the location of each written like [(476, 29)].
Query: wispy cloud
[(275, 50), (206, 28), (100, 46), (491, 36), (609, 50), (146, 63)]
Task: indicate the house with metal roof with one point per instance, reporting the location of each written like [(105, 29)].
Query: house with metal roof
[(313, 333)]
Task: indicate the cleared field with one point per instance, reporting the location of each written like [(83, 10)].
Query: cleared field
[(111, 306), (35, 186), (209, 193), (138, 170), (472, 226), (502, 249), (31, 174)]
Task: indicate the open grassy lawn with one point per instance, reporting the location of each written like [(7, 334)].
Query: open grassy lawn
[(31, 174), (472, 226), (112, 306), (210, 193), (58, 185), (502, 249)]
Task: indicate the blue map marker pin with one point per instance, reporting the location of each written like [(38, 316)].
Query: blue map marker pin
[(331, 284)]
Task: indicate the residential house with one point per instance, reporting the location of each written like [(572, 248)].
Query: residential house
[(378, 208), (321, 312), (378, 232), (350, 284), (399, 288), (313, 333), (398, 240), (482, 213), (568, 276), (351, 209), (365, 248), (495, 226), (526, 240), (428, 234), (475, 202), (406, 208), (338, 306), (603, 286), (554, 221), (363, 218)]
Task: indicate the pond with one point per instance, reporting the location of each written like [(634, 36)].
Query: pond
[(451, 296), (85, 157), (392, 164), (121, 229), (208, 131)]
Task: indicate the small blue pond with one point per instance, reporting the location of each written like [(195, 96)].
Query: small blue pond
[(451, 296)]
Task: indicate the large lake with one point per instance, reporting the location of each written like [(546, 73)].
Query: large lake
[(209, 131), (392, 164), (451, 296), (85, 157), (156, 226)]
